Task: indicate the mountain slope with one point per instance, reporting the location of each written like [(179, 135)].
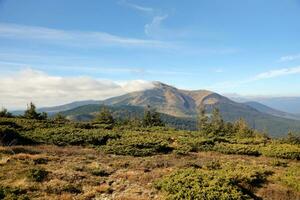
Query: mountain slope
[(268, 110), (68, 106), (88, 112), (166, 99), (184, 104), (285, 104)]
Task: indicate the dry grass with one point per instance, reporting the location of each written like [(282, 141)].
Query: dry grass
[(129, 178)]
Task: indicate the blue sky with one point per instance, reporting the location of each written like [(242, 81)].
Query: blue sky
[(249, 47)]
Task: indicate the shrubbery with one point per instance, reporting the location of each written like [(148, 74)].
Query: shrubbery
[(197, 143), (230, 182), (70, 136), (8, 193), (143, 141), (37, 174), (291, 178), (240, 149), (9, 136), (31, 113), (138, 145), (5, 113), (104, 119), (286, 151), (291, 138)]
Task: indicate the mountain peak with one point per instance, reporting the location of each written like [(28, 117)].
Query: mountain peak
[(158, 84)]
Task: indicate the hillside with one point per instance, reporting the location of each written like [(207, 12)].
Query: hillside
[(87, 113), (182, 103), (181, 106), (285, 104), (266, 109), (138, 162)]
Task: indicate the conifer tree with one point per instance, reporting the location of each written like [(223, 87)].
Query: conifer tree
[(105, 118), (202, 120), (31, 113), (217, 123), (5, 113), (242, 129), (151, 118), (60, 118)]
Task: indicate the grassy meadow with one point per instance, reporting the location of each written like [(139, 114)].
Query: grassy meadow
[(59, 159)]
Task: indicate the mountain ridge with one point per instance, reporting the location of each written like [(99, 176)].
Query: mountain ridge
[(184, 104)]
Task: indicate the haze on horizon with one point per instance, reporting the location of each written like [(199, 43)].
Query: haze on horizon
[(54, 52)]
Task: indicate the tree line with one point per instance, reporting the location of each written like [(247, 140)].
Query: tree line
[(208, 124)]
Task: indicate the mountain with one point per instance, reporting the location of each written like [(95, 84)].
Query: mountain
[(285, 104), (88, 112), (184, 104), (69, 106), (60, 108), (266, 109)]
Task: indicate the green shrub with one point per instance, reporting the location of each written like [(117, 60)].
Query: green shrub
[(8, 193), (66, 188), (291, 178), (291, 138), (227, 183), (40, 161), (70, 136), (240, 149), (100, 172), (142, 144), (197, 143), (37, 174), (213, 165), (193, 184), (182, 150), (10, 136), (279, 163), (251, 140), (286, 151)]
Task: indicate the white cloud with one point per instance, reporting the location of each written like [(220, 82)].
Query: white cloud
[(154, 28), (74, 38), (289, 58), (276, 73), (137, 7), (45, 90), (261, 76), (218, 70)]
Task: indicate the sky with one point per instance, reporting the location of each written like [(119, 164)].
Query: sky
[(58, 51)]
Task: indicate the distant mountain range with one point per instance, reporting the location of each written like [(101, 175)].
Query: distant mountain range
[(181, 106), (285, 104), (266, 109)]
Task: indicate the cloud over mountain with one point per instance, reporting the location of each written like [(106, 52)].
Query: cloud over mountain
[(46, 90)]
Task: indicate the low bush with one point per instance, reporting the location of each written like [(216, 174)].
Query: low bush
[(240, 149), (138, 145), (100, 172), (8, 193), (70, 136), (182, 150), (37, 174), (64, 188), (279, 163), (250, 140), (291, 178), (197, 143), (9, 136), (286, 151), (226, 183)]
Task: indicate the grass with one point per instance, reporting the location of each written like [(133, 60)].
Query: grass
[(79, 161), (86, 172)]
